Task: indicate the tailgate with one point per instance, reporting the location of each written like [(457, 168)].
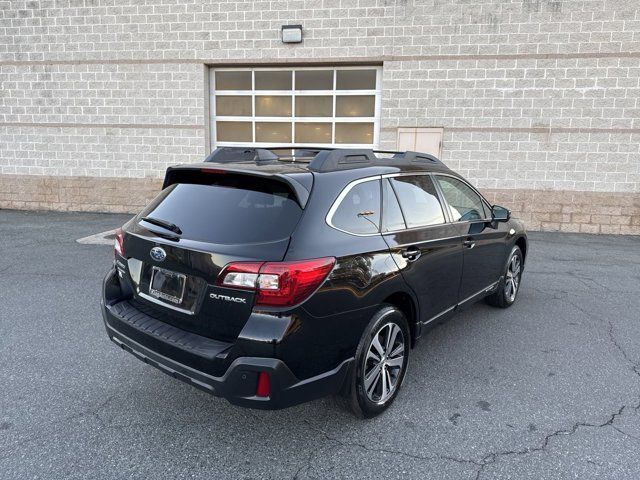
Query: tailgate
[(178, 245)]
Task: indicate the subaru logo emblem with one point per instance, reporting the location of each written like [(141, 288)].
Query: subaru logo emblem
[(158, 254)]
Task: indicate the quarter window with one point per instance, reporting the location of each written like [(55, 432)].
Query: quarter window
[(359, 210), (418, 200), (465, 204)]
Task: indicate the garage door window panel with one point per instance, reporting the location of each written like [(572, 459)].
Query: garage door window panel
[(233, 80), (235, 131), (273, 132), (273, 80), (234, 105), (273, 106), (313, 133)]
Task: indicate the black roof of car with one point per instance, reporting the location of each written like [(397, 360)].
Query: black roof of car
[(285, 160), (294, 165)]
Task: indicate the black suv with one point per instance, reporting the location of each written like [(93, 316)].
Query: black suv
[(273, 277)]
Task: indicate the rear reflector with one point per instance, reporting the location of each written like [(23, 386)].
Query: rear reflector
[(263, 388), (277, 284)]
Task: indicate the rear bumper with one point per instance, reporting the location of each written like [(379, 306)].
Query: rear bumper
[(160, 348)]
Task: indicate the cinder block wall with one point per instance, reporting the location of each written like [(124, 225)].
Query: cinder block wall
[(539, 99)]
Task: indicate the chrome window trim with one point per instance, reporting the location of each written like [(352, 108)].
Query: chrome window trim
[(482, 199), (443, 200), (445, 212), (431, 240), (422, 228), (338, 201)]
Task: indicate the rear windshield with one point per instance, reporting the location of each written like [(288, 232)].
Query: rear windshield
[(228, 209)]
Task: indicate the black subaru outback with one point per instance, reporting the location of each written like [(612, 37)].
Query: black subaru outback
[(274, 277)]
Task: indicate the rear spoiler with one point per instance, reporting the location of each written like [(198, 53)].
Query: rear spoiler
[(179, 173)]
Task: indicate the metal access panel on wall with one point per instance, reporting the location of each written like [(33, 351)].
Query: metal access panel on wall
[(426, 140)]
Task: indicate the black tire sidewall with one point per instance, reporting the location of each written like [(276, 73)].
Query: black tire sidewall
[(387, 314), (514, 251)]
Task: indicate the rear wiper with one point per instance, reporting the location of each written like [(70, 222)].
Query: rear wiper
[(164, 224)]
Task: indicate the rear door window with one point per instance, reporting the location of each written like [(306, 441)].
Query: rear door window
[(359, 210), (465, 204), (418, 200), (228, 209)]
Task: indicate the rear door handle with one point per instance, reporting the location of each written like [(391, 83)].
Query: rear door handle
[(412, 253), (469, 243)]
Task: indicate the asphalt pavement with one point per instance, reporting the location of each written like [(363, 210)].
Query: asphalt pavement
[(549, 388)]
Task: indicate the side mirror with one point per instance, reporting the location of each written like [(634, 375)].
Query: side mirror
[(500, 214)]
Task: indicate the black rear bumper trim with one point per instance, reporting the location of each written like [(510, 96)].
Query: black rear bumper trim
[(239, 379), (124, 315)]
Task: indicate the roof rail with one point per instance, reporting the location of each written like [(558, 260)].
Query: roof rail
[(342, 159), (241, 155), (349, 158), (323, 159), (417, 157)]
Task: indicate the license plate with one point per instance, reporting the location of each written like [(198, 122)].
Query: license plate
[(167, 285)]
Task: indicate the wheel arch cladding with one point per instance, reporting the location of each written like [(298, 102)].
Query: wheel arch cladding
[(403, 302), (522, 243)]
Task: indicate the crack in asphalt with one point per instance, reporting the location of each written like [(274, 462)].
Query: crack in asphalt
[(102, 414), (306, 465), (635, 366), (493, 457), (391, 451), (486, 461), (6, 268), (627, 434), (93, 412)]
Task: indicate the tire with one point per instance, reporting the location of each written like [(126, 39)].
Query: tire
[(508, 289), (389, 361)]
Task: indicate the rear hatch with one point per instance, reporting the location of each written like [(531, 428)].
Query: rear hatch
[(202, 221)]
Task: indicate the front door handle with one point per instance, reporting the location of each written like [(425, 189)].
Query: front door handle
[(469, 243), (411, 253)]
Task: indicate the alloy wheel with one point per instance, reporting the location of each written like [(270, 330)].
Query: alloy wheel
[(512, 281), (383, 363)]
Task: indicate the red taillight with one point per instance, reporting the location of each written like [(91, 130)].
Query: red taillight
[(277, 284), (118, 243), (240, 275), (263, 388), (295, 281)]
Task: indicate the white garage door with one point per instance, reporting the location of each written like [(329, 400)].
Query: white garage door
[(303, 106)]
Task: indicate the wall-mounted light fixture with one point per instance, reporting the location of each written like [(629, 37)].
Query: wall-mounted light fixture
[(291, 33)]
